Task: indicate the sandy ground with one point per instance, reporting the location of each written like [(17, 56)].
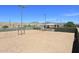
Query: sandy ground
[(36, 41)]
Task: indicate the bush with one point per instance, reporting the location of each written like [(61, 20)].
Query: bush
[(37, 28), (5, 26), (72, 30), (25, 26)]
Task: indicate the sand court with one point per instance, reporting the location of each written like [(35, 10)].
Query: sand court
[(36, 41)]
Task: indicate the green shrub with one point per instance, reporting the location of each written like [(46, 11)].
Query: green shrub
[(5, 26), (72, 30), (37, 28)]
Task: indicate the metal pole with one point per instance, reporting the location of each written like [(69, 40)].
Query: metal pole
[(22, 21), (18, 29), (45, 21), (21, 18), (9, 22)]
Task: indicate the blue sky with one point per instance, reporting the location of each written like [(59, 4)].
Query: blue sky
[(35, 13)]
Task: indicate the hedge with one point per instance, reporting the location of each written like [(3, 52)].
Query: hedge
[(72, 30)]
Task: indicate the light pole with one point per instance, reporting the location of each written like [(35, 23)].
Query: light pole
[(9, 22), (45, 21), (22, 7)]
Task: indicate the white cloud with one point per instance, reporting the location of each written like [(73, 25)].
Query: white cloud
[(72, 14)]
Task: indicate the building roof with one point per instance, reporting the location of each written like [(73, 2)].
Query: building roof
[(50, 24)]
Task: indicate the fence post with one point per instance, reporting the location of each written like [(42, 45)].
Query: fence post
[(18, 29)]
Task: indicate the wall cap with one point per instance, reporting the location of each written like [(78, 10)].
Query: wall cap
[(78, 30)]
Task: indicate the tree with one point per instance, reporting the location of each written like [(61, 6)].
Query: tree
[(70, 24)]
